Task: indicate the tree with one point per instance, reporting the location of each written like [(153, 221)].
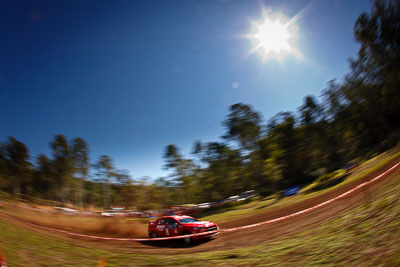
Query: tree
[(273, 174), (313, 136), (377, 66), (333, 101), (310, 111), (105, 173), (43, 183), (243, 126), (17, 164), (172, 157), (183, 175), (63, 165), (223, 176), (174, 160), (79, 153), (284, 147), (3, 168), (126, 196)]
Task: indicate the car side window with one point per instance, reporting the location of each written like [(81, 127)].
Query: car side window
[(171, 221), (158, 222)]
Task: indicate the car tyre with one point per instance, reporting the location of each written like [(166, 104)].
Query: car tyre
[(153, 235), (188, 240)]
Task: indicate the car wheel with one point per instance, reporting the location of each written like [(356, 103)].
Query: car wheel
[(188, 239), (153, 235)]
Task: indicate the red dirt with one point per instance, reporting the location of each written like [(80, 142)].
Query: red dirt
[(259, 234)]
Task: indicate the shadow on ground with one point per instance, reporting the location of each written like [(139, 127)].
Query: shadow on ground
[(269, 204), (176, 243)]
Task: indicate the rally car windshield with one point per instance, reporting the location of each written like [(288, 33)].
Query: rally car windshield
[(188, 220)]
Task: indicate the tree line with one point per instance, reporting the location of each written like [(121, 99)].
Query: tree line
[(351, 119), (69, 178)]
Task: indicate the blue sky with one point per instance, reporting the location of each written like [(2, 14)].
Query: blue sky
[(131, 77)]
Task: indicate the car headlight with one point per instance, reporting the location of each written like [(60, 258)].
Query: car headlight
[(198, 228)]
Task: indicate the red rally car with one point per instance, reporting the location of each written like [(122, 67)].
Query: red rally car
[(175, 225)]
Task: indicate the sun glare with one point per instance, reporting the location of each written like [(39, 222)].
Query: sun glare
[(272, 37)]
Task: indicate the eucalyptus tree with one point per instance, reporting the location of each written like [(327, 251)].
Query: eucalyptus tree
[(312, 136), (283, 138), (225, 172), (105, 172), (3, 168), (80, 155), (243, 125), (18, 165), (63, 166), (374, 82), (184, 174), (43, 182)]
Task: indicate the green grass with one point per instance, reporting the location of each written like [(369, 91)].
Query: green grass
[(5, 197), (324, 181)]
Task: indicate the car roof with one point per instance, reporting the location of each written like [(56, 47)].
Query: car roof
[(178, 217)]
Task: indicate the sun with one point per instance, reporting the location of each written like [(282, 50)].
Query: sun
[(272, 37)]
